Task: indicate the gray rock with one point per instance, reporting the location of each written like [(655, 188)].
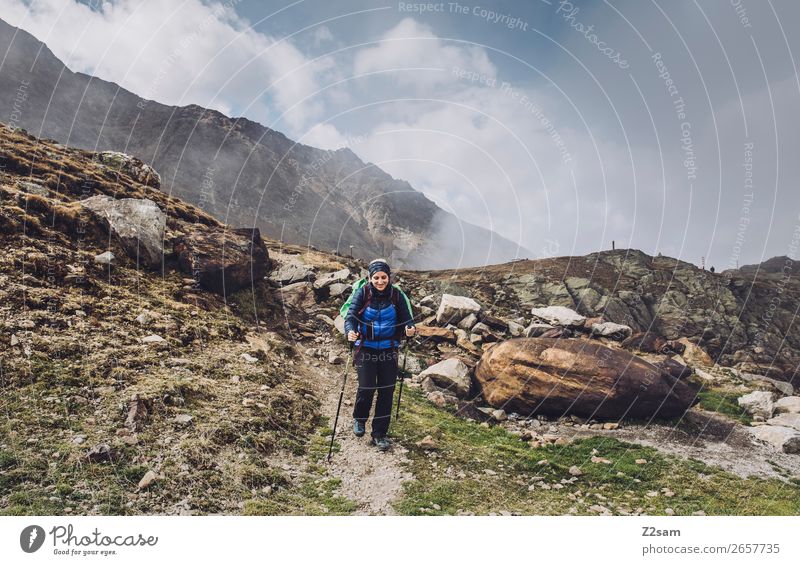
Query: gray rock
[(338, 323), (499, 415), (300, 294), (138, 225), (786, 419), (468, 321), (144, 319), (536, 329), (612, 330), (338, 289), (782, 386), (781, 438), (453, 308), (183, 419), (757, 403), (290, 273), (428, 300), (559, 316), (328, 279), (106, 258), (788, 405), (451, 374), (412, 363), (515, 329), (481, 329), (153, 338)]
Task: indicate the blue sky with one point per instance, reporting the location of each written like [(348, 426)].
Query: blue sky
[(664, 126)]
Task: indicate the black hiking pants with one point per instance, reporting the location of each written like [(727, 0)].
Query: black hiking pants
[(377, 371)]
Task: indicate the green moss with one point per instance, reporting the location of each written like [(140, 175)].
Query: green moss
[(723, 403)]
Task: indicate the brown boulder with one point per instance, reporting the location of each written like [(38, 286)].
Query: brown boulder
[(556, 377), (223, 261), (436, 334)]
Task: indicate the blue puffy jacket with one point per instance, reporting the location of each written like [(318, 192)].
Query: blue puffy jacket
[(381, 324)]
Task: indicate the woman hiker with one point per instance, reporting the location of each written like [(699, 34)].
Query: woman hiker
[(376, 321)]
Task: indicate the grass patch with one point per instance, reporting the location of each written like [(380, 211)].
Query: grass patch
[(489, 470), (723, 403)]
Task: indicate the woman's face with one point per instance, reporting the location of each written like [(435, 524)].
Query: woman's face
[(380, 280)]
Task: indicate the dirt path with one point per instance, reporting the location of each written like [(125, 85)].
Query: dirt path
[(371, 478)]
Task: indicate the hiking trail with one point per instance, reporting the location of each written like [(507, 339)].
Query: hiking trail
[(371, 478)]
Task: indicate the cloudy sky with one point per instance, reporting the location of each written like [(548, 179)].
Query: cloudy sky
[(670, 127)]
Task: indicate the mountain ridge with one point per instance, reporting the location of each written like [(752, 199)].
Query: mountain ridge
[(242, 171)]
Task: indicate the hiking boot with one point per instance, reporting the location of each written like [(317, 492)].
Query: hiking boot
[(358, 428), (381, 443)]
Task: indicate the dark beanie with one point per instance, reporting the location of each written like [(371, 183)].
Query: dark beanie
[(378, 265)]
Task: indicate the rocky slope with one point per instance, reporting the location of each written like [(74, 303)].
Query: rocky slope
[(148, 367), (239, 170)]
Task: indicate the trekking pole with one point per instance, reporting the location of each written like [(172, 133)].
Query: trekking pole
[(402, 378), (341, 396)]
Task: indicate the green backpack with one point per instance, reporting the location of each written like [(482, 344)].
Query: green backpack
[(361, 282)]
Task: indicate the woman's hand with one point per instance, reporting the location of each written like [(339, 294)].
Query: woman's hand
[(410, 331), (352, 336)]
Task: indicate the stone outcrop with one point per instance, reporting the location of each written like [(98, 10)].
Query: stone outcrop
[(131, 166), (223, 261), (556, 377)]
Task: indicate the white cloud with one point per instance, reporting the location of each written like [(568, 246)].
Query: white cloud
[(410, 44), (179, 52)]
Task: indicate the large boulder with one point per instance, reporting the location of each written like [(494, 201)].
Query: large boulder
[(568, 376), (559, 316), (223, 261), (451, 374), (453, 308), (137, 224)]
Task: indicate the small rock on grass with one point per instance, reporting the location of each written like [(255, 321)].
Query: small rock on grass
[(149, 478), (428, 443), (153, 339)]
